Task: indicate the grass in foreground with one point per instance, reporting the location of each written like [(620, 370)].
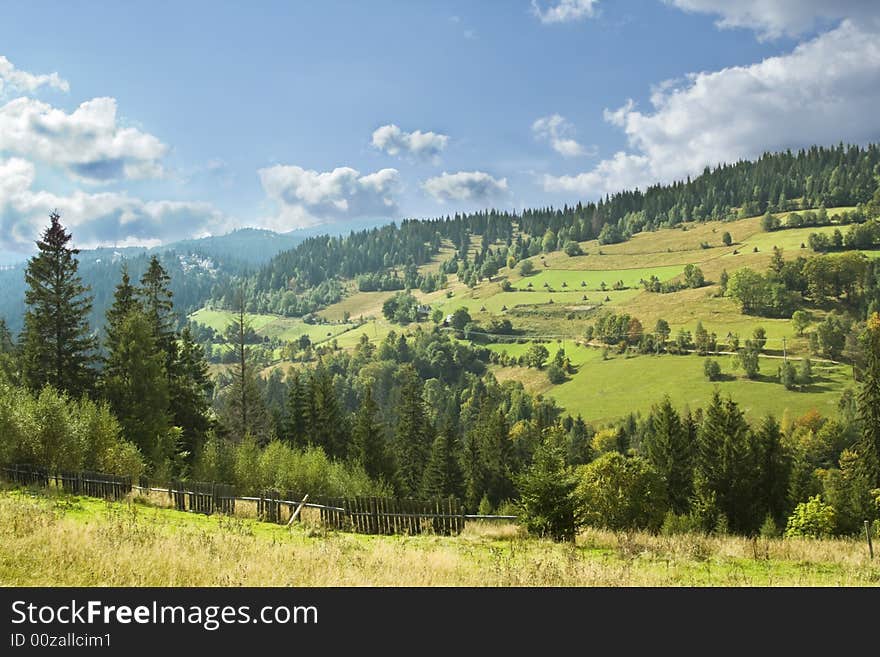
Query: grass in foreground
[(59, 540)]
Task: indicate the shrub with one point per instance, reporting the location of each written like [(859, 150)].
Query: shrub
[(812, 518), (618, 492), (556, 374), (712, 369)]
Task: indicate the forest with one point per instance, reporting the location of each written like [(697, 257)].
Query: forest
[(418, 414)]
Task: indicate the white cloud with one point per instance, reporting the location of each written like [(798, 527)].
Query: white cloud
[(423, 145), (28, 82), (775, 18), (565, 11), (465, 186), (94, 219), (825, 91), (88, 143), (308, 198), (555, 130)]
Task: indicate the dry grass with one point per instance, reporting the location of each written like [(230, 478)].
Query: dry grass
[(65, 541)]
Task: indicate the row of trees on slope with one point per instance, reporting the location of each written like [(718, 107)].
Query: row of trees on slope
[(776, 182)]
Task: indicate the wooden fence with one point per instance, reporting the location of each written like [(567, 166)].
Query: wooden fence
[(364, 515), (94, 484)]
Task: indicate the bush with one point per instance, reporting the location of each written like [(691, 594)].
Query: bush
[(684, 523), (572, 249), (712, 369), (813, 518), (52, 431), (556, 374), (526, 268), (618, 492), (788, 375)]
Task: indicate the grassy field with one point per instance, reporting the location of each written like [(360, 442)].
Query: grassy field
[(272, 326), (58, 540), (602, 390)]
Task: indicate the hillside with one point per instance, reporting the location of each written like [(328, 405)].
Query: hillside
[(566, 294)]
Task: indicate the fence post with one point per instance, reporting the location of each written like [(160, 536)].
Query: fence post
[(868, 537)]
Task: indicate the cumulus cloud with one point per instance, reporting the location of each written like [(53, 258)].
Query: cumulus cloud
[(558, 132), (465, 186), (88, 143), (95, 219), (309, 198), (775, 18), (25, 82), (423, 145), (825, 91), (565, 11)]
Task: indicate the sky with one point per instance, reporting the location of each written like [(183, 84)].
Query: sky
[(144, 123)]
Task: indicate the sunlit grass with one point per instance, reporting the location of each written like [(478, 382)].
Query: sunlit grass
[(68, 541)]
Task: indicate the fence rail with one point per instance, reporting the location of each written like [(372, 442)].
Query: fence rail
[(364, 515)]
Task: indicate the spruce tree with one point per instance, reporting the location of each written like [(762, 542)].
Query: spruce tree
[(773, 471), (869, 403), (244, 409), (155, 295), (411, 442), (670, 451), (296, 411), (8, 360), (190, 393), (443, 476), (327, 425), (124, 302), (368, 439), (547, 502), (136, 386), (58, 346)]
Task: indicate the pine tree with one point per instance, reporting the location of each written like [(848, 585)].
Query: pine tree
[(411, 444), (368, 439), (124, 302), (136, 386), (869, 403), (296, 411), (773, 471), (443, 476), (190, 392), (669, 450), (8, 361), (58, 347), (724, 473), (327, 425), (244, 411), (547, 493), (155, 295)]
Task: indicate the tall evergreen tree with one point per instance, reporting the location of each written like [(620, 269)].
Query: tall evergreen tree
[(8, 360), (327, 425), (156, 297), (724, 473), (124, 302), (136, 386), (869, 403), (773, 471), (670, 451), (411, 444), (244, 410), (296, 410), (368, 439), (190, 393), (443, 476), (58, 346)]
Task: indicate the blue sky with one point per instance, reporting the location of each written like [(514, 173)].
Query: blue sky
[(165, 121)]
